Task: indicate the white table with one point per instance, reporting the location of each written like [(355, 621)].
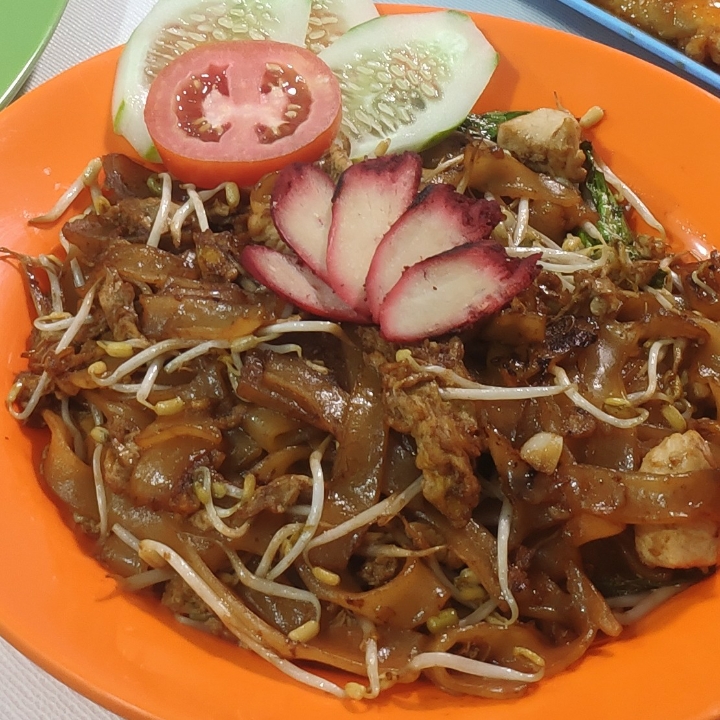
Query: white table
[(87, 28)]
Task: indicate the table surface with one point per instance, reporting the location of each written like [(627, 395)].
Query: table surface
[(89, 27)]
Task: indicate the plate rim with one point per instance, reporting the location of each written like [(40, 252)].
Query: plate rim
[(11, 82), (641, 38), (75, 681)]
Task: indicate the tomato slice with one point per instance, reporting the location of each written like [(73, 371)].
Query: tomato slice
[(239, 110)]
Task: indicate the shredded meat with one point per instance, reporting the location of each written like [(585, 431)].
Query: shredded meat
[(180, 599), (446, 433), (218, 255), (276, 497), (378, 571), (118, 462), (117, 299)]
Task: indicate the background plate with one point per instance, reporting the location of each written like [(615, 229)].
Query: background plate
[(58, 606), (659, 48), (24, 32)]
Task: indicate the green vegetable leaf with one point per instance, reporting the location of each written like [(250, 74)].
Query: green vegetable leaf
[(612, 223), (485, 126)]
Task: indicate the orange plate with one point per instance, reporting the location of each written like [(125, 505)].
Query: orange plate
[(58, 606)]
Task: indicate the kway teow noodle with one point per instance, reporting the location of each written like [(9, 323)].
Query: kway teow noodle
[(475, 509)]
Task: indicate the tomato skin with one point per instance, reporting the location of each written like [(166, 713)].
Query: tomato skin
[(242, 104)]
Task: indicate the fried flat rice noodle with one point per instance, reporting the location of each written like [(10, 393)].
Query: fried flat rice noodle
[(325, 497)]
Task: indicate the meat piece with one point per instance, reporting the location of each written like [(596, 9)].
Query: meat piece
[(567, 333), (302, 212), (446, 435), (74, 359), (117, 299), (439, 219), (678, 453), (670, 546), (378, 571), (118, 462), (218, 255), (289, 278), (369, 198), (546, 140), (276, 497), (689, 545), (134, 217), (454, 290)]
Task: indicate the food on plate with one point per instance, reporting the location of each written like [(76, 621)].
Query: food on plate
[(476, 507), (375, 232), (405, 78), (236, 111), (439, 220), (369, 199), (172, 27), (453, 290), (691, 25)]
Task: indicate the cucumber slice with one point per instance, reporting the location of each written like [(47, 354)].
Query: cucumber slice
[(409, 78), (329, 19), (174, 26)]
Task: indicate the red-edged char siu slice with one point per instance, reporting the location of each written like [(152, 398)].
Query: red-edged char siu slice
[(289, 278), (452, 290), (369, 198), (302, 212), (439, 219)]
